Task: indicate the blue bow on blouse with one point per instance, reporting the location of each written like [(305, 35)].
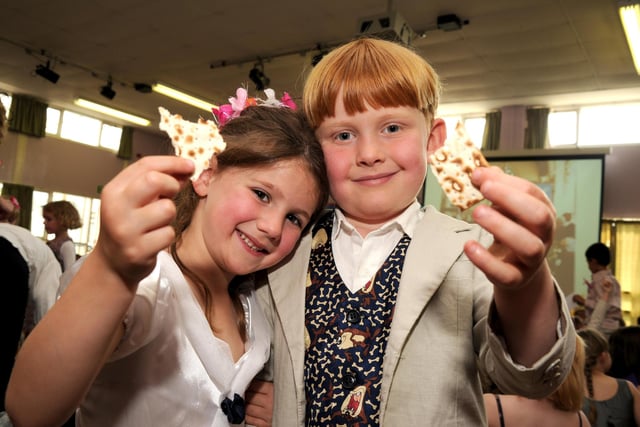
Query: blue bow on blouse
[(233, 409)]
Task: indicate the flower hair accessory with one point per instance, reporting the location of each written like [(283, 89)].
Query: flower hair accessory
[(226, 112), (15, 203)]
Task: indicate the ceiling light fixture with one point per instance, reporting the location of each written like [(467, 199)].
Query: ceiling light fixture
[(629, 11), (182, 97), (258, 77), (47, 73), (80, 102), (107, 90)]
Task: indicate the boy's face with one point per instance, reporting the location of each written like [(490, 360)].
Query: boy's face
[(377, 160)]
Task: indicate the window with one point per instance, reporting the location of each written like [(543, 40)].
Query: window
[(80, 128), (53, 121), (604, 125), (563, 128), (83, 129), (474, 126), (6, 101)]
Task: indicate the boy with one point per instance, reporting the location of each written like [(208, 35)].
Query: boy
[(399, 311), (603, 302)]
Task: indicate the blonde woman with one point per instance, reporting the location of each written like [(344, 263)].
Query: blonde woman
[(561, 408)]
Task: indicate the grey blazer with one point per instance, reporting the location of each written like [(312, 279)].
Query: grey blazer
[(439, 341)]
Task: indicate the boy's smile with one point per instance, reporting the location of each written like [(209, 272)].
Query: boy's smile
[(376, 161)]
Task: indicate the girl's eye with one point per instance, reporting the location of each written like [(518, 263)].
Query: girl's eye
[(295, 220), (261, 195), (344, 136)]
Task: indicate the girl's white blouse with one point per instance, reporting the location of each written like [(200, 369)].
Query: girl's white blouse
[(169, 369)]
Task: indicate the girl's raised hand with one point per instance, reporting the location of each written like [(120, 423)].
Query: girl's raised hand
[(522, 220), (136, 213)]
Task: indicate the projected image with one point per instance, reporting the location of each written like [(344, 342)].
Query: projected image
[(574, 185)]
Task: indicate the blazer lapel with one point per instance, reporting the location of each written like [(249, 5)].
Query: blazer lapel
[(436, 244)]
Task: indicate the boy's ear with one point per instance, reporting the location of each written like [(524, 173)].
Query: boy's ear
[(437, 136), (201, 184)]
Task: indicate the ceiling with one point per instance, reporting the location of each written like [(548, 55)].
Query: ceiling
[(526, 52)]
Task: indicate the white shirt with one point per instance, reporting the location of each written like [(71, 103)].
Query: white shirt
[(44, 268), (169, 369), (358, 259)]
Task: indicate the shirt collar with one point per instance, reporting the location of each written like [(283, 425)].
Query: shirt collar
[(406, 222)]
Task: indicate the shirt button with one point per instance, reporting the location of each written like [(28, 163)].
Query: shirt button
[(349, 380), (353, 316)]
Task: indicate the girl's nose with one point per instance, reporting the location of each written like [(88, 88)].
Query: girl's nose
[(271, 223)]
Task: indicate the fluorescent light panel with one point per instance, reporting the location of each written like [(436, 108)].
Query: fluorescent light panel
[(630, 17), (111, 112), (182, 97)]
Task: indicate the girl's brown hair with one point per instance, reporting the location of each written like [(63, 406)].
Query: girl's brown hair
[(260, 136), (65, 213), (370, 71)]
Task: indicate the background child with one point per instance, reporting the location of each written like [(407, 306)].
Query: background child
[(141, 338), (609, 401), (60, 217), (603, 302), (401, 305)]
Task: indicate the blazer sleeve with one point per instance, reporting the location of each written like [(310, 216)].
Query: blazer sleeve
[(546, 374)]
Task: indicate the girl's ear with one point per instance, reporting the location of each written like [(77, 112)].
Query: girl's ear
[(201, 184)]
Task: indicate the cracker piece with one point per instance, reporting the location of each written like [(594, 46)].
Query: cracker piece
[(196, 141), (453, 163)]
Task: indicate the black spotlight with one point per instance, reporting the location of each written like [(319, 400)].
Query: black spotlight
[(142, 87), (47, 73), (107, 91), (258, 77)]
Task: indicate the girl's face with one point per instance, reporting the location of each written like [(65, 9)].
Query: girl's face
[(376, 160), (51, 224), (253, 218)]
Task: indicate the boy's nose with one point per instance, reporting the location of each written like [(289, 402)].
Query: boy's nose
[(369, 150)]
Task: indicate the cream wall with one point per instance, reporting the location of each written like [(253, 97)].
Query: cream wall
[(54, 164)]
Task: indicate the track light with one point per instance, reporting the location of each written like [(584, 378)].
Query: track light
[(107, 90), (258, 77), (47, 73)]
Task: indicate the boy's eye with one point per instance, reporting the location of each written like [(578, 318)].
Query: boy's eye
[(392, 128), (261, 195), (294, 220)]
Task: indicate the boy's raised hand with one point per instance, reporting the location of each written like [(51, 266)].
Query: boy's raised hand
[(136, 213), (522, 220)]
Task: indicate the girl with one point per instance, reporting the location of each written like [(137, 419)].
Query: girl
[(609, 402), (141, 338), (59, 218)]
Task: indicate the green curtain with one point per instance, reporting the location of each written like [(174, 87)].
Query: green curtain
[(535, 135), (491, 136), (28, 116), (125, 151), (24, 194)]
